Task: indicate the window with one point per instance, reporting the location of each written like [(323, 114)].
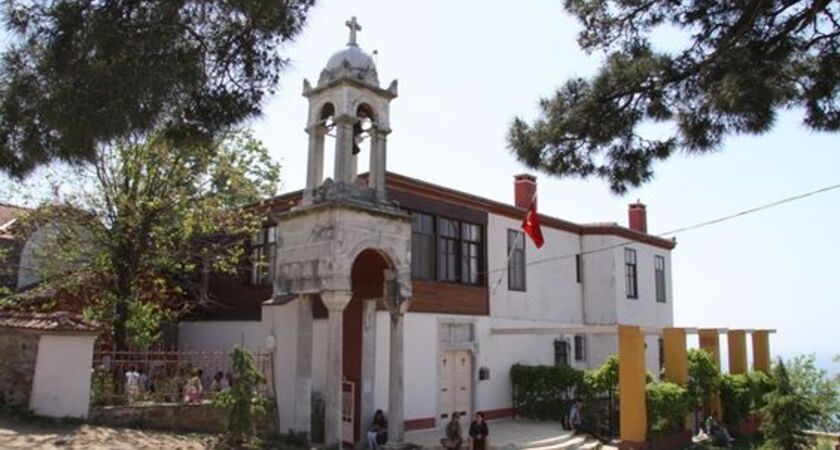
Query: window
[(262, 255), (659, 271), (445, 249), (561, 353), (516, 262), (580, 348), (448, 237), (422, 246), (578, 267), (470, 252), (630, 271)]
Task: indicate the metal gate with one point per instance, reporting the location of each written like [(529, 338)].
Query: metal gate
[(348, 406)]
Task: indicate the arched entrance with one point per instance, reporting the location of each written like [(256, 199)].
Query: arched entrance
[(367, 281)]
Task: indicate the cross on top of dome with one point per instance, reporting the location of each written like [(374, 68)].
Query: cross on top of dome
[(354, 27)]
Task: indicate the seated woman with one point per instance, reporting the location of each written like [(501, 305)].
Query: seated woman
[(478, 433), (718, 432), (452, 439), (378, 433)]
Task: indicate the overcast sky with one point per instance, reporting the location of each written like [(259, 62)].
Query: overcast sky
[(466, 68)]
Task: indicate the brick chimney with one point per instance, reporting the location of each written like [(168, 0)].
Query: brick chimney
[(524, 188), (637, 216)]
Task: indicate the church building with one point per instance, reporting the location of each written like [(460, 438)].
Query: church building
[(383, 291)]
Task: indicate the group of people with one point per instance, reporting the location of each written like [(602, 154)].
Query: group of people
[(453, 438), (477, 435), (189, 384)]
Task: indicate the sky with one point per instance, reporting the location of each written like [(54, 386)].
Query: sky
[(467, 68)]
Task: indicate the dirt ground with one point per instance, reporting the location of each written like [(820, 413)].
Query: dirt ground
[(15, 434)]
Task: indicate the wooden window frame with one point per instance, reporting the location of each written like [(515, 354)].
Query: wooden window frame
[(517, 260), (631, 273), (659, 281)]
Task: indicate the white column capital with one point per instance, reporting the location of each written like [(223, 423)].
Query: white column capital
[(336, 300)]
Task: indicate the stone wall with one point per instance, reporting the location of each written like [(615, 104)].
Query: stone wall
[(18, 354), (186, 417)]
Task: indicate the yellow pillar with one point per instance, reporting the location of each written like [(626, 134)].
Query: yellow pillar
[(761, 350), (631, 386), (737, 342), (676, 358), (676, 355), (710, 342)]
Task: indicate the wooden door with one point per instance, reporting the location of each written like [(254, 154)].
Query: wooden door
[(446, 385), (463, 382)]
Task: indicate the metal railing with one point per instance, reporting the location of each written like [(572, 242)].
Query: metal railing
[(137, 377)]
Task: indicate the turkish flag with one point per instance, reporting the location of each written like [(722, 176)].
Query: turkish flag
[(531, 225)]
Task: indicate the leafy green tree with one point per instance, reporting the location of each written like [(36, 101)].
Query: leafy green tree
[(741, 64), (245, 406), (816, 385), (703, 379), (668, 404), (787, 414), (79, 74), (158, 219)]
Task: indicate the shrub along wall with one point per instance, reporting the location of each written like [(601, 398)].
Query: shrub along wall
[(742, 396), (542, 392)]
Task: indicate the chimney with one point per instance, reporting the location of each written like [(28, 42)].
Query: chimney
[(524, 189), (637, 216)]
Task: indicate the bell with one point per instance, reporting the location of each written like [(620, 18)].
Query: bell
[(357, 137)]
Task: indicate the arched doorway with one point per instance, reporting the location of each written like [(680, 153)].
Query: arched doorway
[(367, 278)]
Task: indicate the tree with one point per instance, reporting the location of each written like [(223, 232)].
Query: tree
[(822, 390), (703, 380), (787, 414), (79, 74), (159, 220), (743, 62)]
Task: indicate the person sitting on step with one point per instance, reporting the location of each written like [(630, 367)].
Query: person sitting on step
[(378, 433), (453, 439)]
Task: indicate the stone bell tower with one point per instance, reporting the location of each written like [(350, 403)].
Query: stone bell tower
[(345, 244), (348, 101)]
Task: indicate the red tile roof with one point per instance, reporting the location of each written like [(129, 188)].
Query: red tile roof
[(60, 321)]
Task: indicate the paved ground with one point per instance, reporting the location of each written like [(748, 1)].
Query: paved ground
[(37, 435), (515, 434)]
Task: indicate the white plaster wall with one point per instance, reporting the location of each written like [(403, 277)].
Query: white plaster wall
[(221, 335), (600, 280), (420, 346), (61, 386), (652, 354), (645, 310), (552, 291), (281, 322)]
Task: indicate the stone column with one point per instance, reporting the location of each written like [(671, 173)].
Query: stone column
[(631, 385), (368, 363), (335, 301), (396, 388), (343, 148), (303, 371), (761, 351), (737, 342), (378, 157), (315, 161)]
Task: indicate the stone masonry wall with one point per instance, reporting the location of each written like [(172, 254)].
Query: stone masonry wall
[(186, 417), (18, 354)]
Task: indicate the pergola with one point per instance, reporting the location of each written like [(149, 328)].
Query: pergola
[(631, 361)]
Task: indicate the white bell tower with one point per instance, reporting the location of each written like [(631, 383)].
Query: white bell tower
[(349, 102)]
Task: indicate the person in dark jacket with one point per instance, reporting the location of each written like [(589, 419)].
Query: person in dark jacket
[(378, 433), (452, 437), (478, 432)]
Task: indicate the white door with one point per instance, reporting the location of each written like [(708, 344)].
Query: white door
[(463, 383), (455, 384)]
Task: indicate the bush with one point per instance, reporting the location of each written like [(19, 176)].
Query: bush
[(736, 397), (668, 404), (787, 414), (245, 406), (540, 392), (703, 379)]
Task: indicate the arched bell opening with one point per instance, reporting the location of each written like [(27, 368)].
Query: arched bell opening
[(363, 131), (367, 281), (326, 118)]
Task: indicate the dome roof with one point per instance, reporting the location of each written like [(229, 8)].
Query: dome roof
[(352, 62), (356, 59)]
